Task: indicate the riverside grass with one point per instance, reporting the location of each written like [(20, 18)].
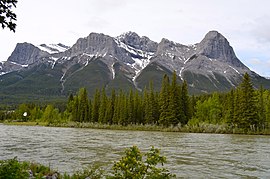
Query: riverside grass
[(199, 128)]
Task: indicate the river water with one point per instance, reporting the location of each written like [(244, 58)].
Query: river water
[(188, 155)]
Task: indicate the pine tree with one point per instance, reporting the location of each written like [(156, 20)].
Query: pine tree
[(236, 111), (83, 105), (138, 109), (130, 107), (123, 117), (95, 106), (164, 101), (175, 108), (117, 109), (247, 104), (102, 108), (185, 103), (261, 108), (110, 108), (149, 105), (75, 109), (229, 107)]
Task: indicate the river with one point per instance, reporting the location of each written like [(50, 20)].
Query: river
[(188, 155)]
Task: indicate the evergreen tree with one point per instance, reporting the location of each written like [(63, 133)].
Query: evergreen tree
[(123, 117), (130, 107), (185, 103), (110, 108), (229, 108), (138, 109), (247, 104), (90, 108), (83, 105), (102, 108), (237, 112), (95, 106), (261, 108), (117, 110), (175, 108), (164, 101), (149, 111)]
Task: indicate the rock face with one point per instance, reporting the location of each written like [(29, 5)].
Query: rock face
[(127, 61), (216, 46), (134, 40), (26, 53)]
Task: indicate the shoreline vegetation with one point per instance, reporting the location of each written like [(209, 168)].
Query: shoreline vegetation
[(200, 128), (134, 164), (243, 110)]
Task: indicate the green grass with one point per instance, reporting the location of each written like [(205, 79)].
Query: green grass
[(199, 128)]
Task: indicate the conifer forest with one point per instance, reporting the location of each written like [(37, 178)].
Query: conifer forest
[(242, 108)]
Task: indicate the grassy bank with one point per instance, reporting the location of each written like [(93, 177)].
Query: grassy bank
[(200, 128)]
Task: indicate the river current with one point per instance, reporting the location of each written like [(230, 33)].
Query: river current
[(188, 155)]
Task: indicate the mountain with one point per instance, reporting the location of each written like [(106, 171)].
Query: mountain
[(123, 62)]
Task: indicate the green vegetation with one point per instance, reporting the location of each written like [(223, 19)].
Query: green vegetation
[(7, 16), (242, 110), (133, 165)]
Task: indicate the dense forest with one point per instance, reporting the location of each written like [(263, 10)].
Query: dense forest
[(243, 108)]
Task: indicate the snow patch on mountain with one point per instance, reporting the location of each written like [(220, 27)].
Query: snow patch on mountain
[(141, 58), (180, 74), (234, 69), (53, 48), (113, 71), (14, 63), (53, 61)]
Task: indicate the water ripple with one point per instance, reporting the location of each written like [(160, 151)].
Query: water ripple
[(188, 155)]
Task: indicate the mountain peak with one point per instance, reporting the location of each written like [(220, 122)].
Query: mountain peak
[(128, 35), (26, 53), (216, 46), (134, 40), (213, 35)]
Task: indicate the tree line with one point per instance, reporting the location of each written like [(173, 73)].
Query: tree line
[(243, 107)]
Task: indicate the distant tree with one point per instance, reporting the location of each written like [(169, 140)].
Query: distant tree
[(138, 109), (130, 107), (51, 115), (185, 103), (23, 113), (149, 105), (175, 109), (7, 16), (229, 107), (83, 105), (95, 106), (261, 108), (164, 101), (103, 106), (247, 104)]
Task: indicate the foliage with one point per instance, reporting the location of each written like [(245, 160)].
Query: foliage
[(171, 108), (133, 165), (12, 169), (7, 16)]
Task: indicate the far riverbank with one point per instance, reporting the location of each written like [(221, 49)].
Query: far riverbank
[(200, 128)]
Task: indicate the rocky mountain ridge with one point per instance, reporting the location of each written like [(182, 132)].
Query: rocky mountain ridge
[(128, 60)]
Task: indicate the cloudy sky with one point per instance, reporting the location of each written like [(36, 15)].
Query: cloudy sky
[(245, 23)]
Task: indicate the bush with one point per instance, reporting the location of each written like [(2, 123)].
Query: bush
[(12, 169), (133, 166)]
